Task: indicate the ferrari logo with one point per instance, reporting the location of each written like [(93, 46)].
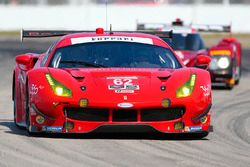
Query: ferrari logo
[(125, 97)]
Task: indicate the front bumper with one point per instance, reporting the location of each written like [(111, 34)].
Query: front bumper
[(221, 76), (84, 120)]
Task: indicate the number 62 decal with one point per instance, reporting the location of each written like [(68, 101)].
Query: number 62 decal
[(123, 81)]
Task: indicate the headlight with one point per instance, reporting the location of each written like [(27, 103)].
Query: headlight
[(223, 62), (213, 64), (58, 88), (219, 62), (187, 88)]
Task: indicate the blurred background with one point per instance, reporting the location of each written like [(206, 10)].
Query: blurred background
[(123, 15), (79, 2)]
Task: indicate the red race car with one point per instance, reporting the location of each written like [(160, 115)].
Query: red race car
[(89, 80), (186, 41), (225, 67)]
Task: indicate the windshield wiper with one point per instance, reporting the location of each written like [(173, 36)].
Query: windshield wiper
[(83, 63)]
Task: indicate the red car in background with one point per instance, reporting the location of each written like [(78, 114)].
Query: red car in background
[(186, 41), (187, 46), (225, 67), (89, 80)]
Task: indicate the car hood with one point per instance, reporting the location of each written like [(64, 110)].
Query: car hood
[(106, 85)]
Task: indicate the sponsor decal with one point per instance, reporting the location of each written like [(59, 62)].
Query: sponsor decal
[(195, 128), (133, 87), (124, 91), (192, 128), (187, 129), (206, 90), (54, 128), (116, 87), (123, 84), (125, 105), (111, 38), (34, 89)]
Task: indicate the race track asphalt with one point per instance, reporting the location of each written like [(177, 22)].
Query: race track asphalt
[(228, 145)]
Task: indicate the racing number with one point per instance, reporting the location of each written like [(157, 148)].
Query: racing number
[(123, 82)]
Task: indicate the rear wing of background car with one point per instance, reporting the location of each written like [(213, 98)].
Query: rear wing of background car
[(150, 26), (57, 33), (212, 28), (176, 27)]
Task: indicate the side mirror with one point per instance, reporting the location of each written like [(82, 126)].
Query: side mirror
[(24, 61), (203, 61)]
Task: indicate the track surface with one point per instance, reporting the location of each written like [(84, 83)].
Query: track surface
[(228, 145)]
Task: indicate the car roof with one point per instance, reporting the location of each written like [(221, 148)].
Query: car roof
[(86, 36)]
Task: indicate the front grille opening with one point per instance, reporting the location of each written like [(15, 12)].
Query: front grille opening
[(124, 115), (88, 114), (164, 114)]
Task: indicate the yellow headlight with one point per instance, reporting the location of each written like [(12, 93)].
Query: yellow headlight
[(58, 88), (187, 88), (59, 91), (186, 91)]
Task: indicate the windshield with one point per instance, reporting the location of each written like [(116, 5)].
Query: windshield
[(191, 42), (114, 54)]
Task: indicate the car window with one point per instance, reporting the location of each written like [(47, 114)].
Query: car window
[(114, 54), (191, 42)]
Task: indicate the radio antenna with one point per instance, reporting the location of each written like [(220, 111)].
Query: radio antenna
[(106, 5), (110, 30)]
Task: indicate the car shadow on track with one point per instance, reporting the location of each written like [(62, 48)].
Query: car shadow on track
[(13, 129), (102, 134)]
